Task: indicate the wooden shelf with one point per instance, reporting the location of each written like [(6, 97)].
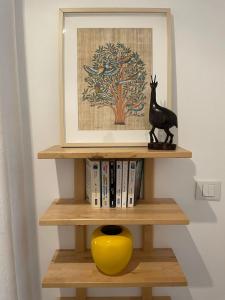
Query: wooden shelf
[(160, 211), (156, 268), (111, 152), (148, 267), (117, 298)]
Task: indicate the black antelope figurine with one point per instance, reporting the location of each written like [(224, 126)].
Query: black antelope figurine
[(161, 118)]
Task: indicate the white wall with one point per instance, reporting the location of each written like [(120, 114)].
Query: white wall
[(199, 82)]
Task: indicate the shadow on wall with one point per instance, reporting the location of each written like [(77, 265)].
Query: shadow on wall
[(192, 264), (187, 253), (176, 293), (174, 178), (29, 285), (180, 240), (174, 80), (65, 175)]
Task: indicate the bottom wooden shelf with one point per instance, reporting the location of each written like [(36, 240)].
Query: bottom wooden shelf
[(157, 268), (117, 298)]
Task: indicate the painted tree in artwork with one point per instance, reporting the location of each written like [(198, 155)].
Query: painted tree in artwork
[(117, 79)]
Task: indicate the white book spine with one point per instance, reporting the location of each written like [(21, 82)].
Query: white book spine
[(95, 184), (119, 170), (131, 183), (105, 183), (124, 184)]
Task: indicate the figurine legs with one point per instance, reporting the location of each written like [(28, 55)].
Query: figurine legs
[(152, 135), (168, 135), (156, 145)]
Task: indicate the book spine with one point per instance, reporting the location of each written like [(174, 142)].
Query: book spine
[(124, 184), (119, 170), (112, 170), (95, 184), (105, 183), (138, 179), (88, 180), (131, 183)]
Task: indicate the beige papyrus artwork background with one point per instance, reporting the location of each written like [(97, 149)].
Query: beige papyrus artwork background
[(88, 41)]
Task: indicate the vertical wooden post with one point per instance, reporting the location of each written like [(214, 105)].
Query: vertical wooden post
[(148, 196), (80, 293), (148, 179), (80, 231), (147, 232), (79, 180)]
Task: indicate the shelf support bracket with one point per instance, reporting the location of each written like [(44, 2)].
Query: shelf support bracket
[(147, 230), (80, 231)]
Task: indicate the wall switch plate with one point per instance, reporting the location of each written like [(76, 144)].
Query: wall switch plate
[(208, 190)]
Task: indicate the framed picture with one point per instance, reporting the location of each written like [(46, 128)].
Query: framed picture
[(107, 56)]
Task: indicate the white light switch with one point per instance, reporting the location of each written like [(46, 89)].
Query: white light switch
[(208, 190), (211, 190)]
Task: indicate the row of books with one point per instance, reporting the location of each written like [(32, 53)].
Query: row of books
[(113, 183)]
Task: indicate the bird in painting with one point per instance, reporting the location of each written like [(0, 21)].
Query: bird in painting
[(106, 70)]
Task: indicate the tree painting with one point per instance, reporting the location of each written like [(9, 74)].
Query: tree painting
[(116, 78)]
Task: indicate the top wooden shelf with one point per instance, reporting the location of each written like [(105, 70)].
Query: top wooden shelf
[(56, 152)]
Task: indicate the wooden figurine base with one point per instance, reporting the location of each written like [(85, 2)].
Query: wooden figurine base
[(161, 146)]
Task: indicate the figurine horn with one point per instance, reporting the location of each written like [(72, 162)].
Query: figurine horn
[(155, 78)]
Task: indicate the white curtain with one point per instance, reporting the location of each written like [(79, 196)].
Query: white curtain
[(7, 267), (19, 275)]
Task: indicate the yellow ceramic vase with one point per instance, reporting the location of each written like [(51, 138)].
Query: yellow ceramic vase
[(111, 248)]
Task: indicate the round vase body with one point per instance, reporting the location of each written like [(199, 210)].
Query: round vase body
[(111, 248)]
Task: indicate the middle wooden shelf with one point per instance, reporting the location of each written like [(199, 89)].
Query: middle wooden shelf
[(158, 267), (159, 211)]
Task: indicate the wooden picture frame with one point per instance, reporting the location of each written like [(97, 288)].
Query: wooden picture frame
[(85, 138)]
